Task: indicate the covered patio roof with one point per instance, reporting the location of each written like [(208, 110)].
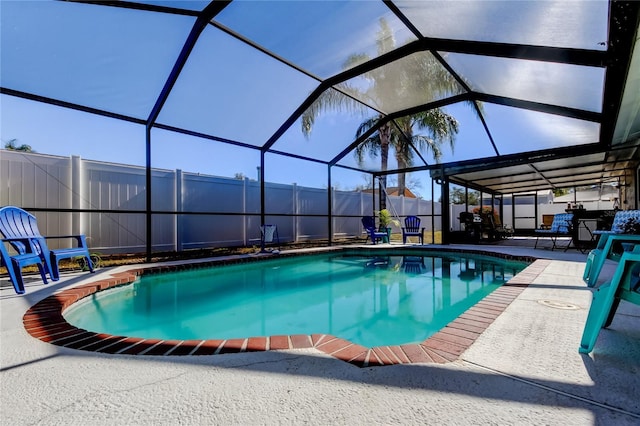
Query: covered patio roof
[(569, 70)]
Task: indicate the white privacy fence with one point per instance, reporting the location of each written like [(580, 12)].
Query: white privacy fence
[(107, 202)]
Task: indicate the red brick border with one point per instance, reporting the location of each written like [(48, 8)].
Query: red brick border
[(45, 321)]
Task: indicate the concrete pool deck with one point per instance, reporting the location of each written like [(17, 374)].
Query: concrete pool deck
[(523, 369)]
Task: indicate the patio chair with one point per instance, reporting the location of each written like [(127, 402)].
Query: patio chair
[(412, 229), (20, 229), (620, 218), (624, 285), (560, 227), (492, 227), (608, 248), (15, 263), (369, 224), (503, 231), (413, 264), (269, 235), (547, 220)]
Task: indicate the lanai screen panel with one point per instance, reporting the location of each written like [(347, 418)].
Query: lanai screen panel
[(414, 80), (370, 159), (116, 58), (519, 130), (230, 90), (194, 5), (317, 36), (559, 23), (67, 51), (332, 131), (71, 132), (471, 141), (567, 85), (173, 150)]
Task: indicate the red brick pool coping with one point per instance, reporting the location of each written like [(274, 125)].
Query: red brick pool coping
[(45, 321)]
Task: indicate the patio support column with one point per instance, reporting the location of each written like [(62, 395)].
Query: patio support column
[(329, 206), (148, 194), (245, 219), (296, 211), (536, 224), (433, 214), (178, 218), (373, 192), (446, 215), (513, 212), (262, 199)]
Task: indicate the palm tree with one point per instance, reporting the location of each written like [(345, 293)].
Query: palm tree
[(440, 127), (12, 146), (417, 73)]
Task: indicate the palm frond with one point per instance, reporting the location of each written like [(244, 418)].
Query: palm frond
[(330, 100), (423, 142)]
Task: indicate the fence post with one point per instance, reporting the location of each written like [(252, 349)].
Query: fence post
[(296, 208), (245, 218), (76, 195)]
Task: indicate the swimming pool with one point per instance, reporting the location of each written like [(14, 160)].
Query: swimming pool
[(379, 298)]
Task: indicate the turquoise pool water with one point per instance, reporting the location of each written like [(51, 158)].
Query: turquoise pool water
[(386, 299)]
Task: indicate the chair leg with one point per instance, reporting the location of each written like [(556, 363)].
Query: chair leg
[(598, 314), (612, 312), (569, 245), (15, 271), (54, 269), (15, 275), (586, 275), (603, 308)]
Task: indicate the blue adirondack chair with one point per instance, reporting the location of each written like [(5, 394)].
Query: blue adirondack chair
[(20, 229), (15, 263), (608, 240), (413, 264), (560, 227), (624, 285), (412, 229), (369, 224)]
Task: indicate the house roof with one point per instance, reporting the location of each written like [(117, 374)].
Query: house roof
[(394, 190)]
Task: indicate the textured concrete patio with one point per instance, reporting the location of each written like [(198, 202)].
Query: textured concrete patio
[(523, 369)]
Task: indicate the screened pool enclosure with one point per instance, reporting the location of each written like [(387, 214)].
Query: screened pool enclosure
[(165, 125)]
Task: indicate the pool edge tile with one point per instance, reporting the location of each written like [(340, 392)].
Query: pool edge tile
[(45, 321)]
